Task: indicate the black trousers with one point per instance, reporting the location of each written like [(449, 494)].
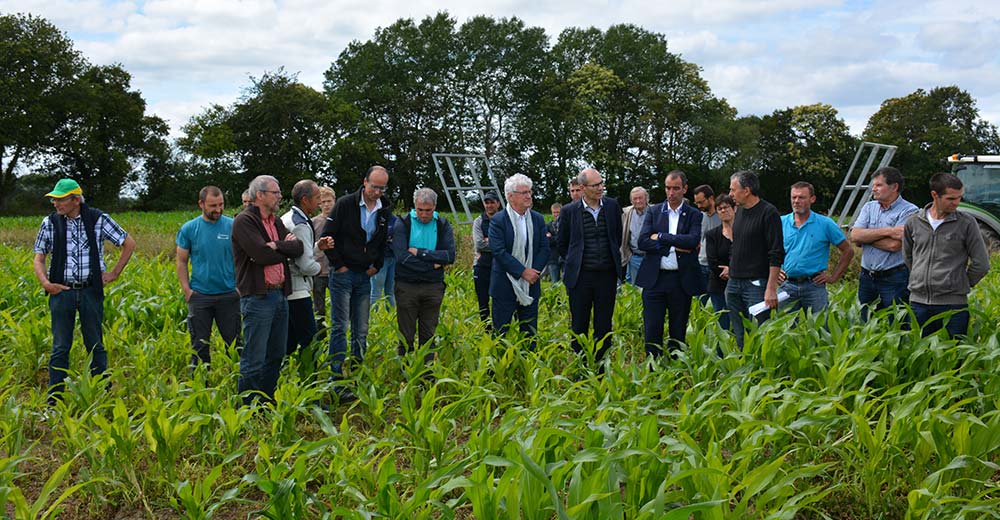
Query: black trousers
[(666, 297), (301, 324), (594, 291), (481, 279), (418, 310)]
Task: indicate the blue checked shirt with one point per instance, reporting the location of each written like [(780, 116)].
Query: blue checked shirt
[(873, 216), (78, 257)]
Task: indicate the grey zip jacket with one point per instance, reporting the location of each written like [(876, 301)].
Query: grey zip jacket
[(945, 263)]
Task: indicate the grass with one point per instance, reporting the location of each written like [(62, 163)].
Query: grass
[(854, 421)]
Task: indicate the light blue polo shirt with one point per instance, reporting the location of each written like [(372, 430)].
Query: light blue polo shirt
[(210, 244), (807, 248), (873, 216)]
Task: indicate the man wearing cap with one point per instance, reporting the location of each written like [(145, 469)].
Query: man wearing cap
[(210, 291), (74, 235), (483, 264)]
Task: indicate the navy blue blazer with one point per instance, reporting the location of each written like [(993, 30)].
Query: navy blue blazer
[(688, 237), (501, 244), (571, 237)]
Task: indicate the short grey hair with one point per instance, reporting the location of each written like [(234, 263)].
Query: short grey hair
[(639, 189), (425, 195), (302, 189), (516, 181), (581, 178), (258, 184)]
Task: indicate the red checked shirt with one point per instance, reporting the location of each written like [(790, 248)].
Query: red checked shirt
[(273, 274)]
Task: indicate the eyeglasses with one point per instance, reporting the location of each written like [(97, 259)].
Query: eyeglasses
[(595, 185), (377, 188), (523, 192), (273, 192)]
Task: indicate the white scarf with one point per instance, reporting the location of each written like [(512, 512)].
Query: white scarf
[(522, 254)]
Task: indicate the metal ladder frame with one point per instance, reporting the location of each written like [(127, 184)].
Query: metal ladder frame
[(457, 188), (852, 205)]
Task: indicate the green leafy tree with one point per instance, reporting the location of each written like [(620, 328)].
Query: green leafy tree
[(38, 65), (808, 142), (927, 127)]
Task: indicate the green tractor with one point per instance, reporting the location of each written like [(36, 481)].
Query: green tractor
[(981, 176)]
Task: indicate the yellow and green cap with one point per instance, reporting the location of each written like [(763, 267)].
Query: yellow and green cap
[(65, 188)]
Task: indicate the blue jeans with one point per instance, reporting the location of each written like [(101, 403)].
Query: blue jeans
[(89, 302), (632, 269), (555, 271), (384, 282), (265, 336), (719, 305), (805, 295), (741, 293), (888, 289), (957, 324), (350, 302)]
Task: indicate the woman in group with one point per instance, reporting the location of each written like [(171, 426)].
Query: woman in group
[(718, 242)]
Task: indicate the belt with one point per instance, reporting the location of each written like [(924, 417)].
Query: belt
[(802, 279), (273, 286), (883, 273), (78, 285)]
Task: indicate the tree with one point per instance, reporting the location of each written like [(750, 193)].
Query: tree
[(104, 133), (37, 66), (928, 127), (808, 143)]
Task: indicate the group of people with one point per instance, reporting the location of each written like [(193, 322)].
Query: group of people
[(262, 278)]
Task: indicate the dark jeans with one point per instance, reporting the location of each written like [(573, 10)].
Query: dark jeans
[(384, 282), (554, 270), (265, 336), (665, 297), (594, 291), (203, 309), (320, 286), (805, 295), (927, 318), (350, 303), (719, 305), (505, 311), (89, 303), (741, 293), (301, 324), (883, 289), (481, 281), (418, 305), (705, 273)]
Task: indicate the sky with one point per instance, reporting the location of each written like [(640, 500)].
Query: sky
[(762, 56)]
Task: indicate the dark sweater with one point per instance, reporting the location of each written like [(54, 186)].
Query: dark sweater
[(717, 251), (351, 247), (251, 254), (596, 249), (757, 241), (419, 268)]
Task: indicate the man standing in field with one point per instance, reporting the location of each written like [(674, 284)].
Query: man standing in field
[(261, 249), (946, 255), (590, 241), (555, 266), (756, 255), (483, 264), (74, 235), (879, 231), (807, 240), (327, 198), (520, 252), (359, 226), (210, 292), (423, 244), (704, 198), (669, 274), (633, 217), (301, 322)]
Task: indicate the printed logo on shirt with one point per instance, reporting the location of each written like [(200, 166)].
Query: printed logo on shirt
[(222, 236)]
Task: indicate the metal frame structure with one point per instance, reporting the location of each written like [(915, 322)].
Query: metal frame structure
[(849, 192), (472, 166)]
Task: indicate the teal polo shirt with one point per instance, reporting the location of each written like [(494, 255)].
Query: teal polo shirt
[(807, 248)]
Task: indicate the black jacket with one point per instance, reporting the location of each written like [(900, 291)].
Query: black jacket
[(351, 247)]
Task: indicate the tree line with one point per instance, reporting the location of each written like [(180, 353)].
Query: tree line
[(617, 100)]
